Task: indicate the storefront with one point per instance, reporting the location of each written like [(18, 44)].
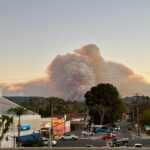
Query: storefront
[(58, 127)]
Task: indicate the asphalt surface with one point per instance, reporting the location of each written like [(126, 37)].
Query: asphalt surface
[(97, 143), (97, 140)]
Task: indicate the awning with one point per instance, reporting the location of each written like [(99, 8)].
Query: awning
[(34, 136)]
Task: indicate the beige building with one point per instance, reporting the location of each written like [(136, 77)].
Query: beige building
[(31, 119)]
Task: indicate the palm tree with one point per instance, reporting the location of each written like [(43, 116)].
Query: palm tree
[(18, 111)]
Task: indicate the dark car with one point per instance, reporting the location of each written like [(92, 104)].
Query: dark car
[(130, 128), (89, 146), (116, 142)]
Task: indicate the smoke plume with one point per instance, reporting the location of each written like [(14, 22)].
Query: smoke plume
[(69, 76)]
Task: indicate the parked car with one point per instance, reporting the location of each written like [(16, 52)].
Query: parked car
[(100, 129), (89, 146), (109, 136), (119, 142), (89, 133), (117, 128), (138, 145), (111, 132), (69, 137), (130, 128), (46, 142)]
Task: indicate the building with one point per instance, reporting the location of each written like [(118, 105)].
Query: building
[(58, 125), (79, 124), (30, 122), (30, 118)]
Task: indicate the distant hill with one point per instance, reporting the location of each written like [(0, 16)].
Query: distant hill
[(20, 99), (139, 99)]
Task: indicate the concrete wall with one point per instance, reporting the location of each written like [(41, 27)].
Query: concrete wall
[(32, 120), (71, 148)]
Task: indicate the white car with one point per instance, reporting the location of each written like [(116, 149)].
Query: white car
[(117, 128), (137, 145), (46, 142), (88, 133), (69, 137)]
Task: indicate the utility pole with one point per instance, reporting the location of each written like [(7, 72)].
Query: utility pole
[(138, 120), (51, 121), (137, 114), (133, 115), (51, 126)]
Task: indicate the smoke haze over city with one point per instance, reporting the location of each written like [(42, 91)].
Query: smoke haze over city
[(70, 75)]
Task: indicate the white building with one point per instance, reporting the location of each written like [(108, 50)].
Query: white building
[(31, 119), (5, 105)]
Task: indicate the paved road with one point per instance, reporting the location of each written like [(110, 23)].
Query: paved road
[(124, 132), (81, 143), (98, 142)]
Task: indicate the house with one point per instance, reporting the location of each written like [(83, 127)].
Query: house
[(79, 122)]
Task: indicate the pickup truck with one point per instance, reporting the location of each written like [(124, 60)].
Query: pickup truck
[(116, 142)]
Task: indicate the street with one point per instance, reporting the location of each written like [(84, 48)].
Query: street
[(98, 143), (97, 140)]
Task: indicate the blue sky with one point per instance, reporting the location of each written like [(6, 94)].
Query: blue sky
[(33, 32)]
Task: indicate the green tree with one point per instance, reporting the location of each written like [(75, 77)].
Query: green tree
[(5, 125), (33, 143), (145, 117), (18, 111), (116, 111), (103, 98)]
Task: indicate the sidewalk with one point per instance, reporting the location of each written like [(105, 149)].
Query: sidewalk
[(144, 136), (93, 137), (141, 136)]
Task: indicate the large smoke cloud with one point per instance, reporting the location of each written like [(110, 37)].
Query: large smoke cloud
[(70, 76)]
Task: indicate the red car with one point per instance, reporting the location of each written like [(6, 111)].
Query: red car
[(109, 136)]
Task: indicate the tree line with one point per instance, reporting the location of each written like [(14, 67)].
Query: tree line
[(102, 102), (60, 106)]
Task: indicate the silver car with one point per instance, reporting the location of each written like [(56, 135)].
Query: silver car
[(69, 137), (90, 133)]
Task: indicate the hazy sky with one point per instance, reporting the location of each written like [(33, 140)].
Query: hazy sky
[(33, 32)]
